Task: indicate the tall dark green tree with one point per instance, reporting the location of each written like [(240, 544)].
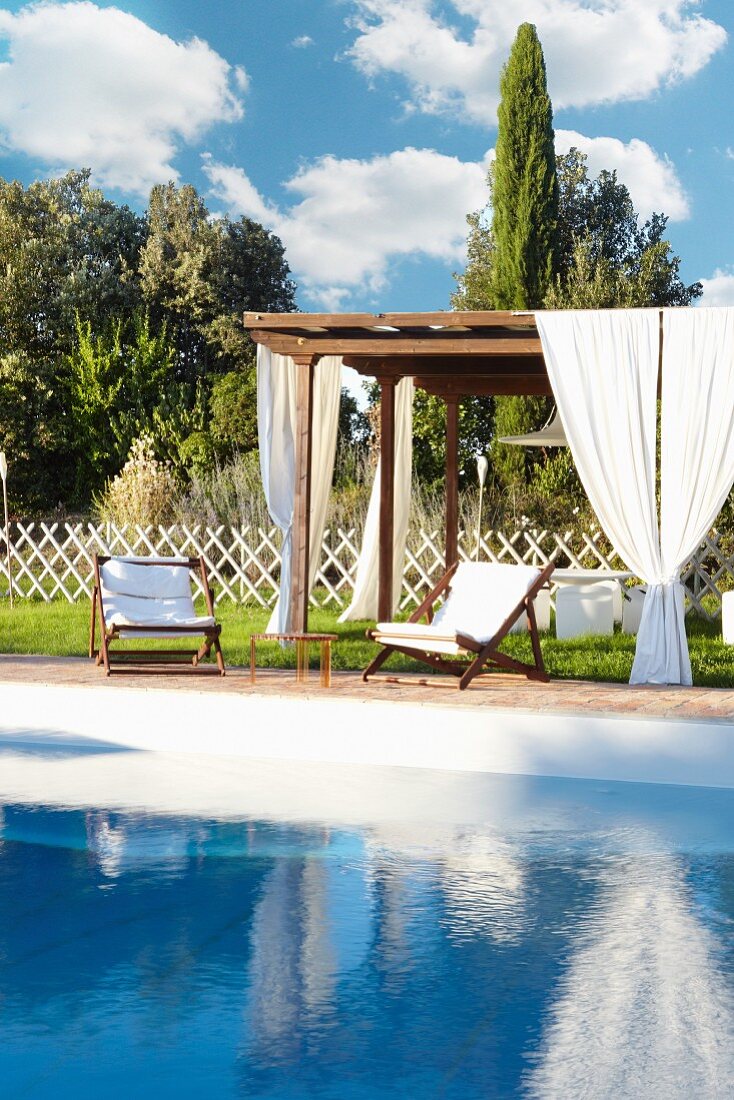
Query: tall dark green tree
[(525, 191), (524, 220)]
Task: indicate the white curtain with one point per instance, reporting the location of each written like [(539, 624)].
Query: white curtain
[(364, 600), (603, 369), (276, 421), (696, 475)]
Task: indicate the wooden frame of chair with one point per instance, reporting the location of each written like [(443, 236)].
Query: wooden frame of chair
[(485, 653), (149, 658)]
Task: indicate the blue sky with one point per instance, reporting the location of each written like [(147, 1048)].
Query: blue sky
[(359, 130)]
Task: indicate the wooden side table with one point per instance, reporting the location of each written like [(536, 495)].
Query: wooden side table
[(302, 643)]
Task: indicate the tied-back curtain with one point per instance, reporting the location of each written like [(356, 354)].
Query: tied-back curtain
[(696, 475), (603, 368), (276, 422), (366, 585)]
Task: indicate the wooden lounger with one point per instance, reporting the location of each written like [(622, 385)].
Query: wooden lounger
[(150, 598), (482, 603)]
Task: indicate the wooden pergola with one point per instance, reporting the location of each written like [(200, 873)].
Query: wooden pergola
[(450, 355)]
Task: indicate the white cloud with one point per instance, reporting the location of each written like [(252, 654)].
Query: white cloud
[(719, 289), (302, 41), (597, 51), (351, 218), (650, 178), (95, 86)]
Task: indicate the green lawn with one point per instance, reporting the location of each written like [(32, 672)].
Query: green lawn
[(61, 629)]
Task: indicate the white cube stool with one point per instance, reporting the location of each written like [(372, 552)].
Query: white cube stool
[(632, 611), (727, 617), (617, 600), (584, 609), (542, 614)]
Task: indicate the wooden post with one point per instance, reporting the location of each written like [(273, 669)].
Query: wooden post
[(387, 495), (451, 544), (302, 500)]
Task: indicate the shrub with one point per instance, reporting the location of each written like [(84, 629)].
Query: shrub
[(142, 493)]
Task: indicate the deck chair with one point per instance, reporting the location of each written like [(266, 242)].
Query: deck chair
[(150, 598), (482, 602)]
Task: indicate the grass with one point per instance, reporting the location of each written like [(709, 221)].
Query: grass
[(61, 629)]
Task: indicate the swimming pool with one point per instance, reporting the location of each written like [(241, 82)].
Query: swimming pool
[(186, 928)]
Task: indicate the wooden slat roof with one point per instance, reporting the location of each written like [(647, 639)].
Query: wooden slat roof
[(448, 352)]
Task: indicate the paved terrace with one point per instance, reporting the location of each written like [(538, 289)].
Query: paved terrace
[(496, 691)]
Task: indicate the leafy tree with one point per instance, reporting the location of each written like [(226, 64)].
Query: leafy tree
[(176, 266), (353, 439), (76, 274), (33, 434), (606, 258), (250, 274), (65, 251), (429, 436), (115, 381), (233, 412), (200, 275)]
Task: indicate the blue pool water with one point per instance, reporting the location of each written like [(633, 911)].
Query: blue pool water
[(505, 937)]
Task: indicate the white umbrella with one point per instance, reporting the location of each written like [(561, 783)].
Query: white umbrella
[(552, 435)]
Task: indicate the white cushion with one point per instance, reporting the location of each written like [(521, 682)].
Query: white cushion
[(126, 576), (482, 596), (134, 611), (135, 595), (416, 636)]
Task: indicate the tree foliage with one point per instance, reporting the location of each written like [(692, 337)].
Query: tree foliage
[(200, 274), (113, 325), (524, 221), (606, 258), (525, 188), (429, 436), (115, 382), (65, 252)]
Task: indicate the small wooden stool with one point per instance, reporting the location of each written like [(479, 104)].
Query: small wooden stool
[(302, 643)]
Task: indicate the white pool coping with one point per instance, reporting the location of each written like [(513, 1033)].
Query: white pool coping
[(392, 733)]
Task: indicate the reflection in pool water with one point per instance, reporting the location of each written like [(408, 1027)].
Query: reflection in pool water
[(545, 939)]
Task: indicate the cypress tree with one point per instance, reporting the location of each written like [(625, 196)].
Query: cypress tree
[(524, 220), (525, 187)]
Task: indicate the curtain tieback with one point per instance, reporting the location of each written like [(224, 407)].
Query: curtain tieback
[(665, 582)]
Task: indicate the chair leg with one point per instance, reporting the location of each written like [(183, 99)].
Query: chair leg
[(105, 655), (537, 652), (377, 663), (93, 622), (219, 656)]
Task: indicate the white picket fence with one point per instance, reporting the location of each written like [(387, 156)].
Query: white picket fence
[(51, 560)]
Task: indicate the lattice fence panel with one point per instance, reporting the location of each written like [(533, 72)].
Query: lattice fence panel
[(53, 560)]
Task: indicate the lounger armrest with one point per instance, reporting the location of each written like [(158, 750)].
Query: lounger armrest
[(426, 608)]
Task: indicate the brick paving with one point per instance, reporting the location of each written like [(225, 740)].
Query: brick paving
[(498, 690)]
